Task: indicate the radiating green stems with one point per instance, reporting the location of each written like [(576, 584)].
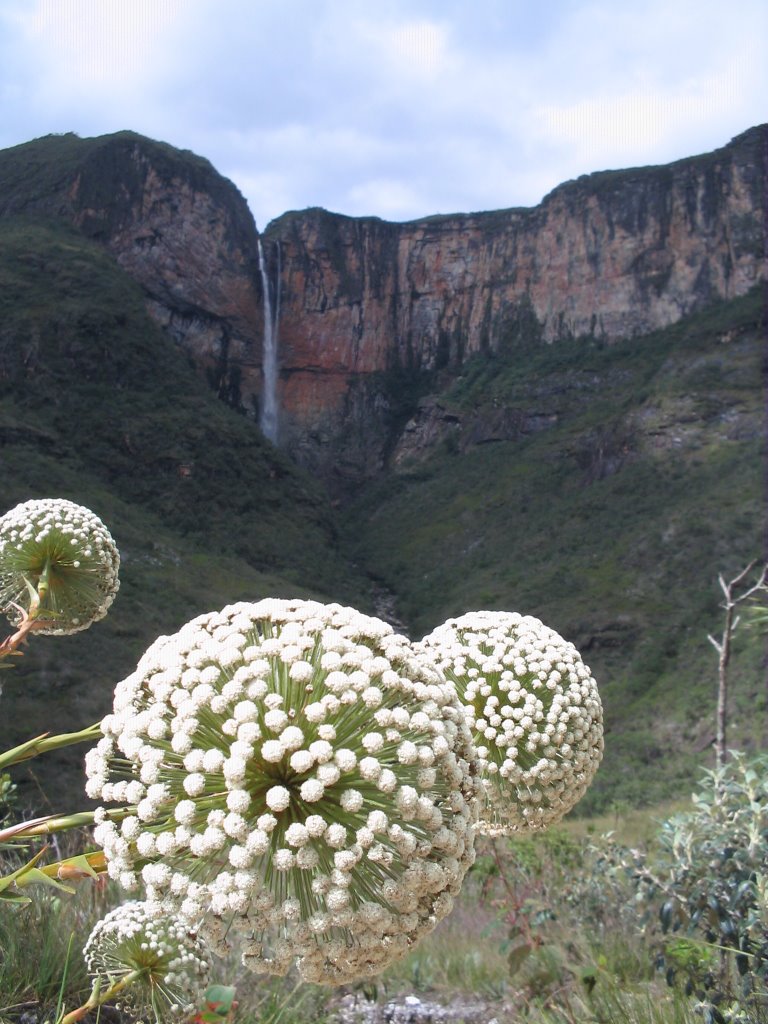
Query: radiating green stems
[(98, 998)]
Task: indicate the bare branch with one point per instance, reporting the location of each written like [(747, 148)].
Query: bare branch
[(744, 573), (723, 646)]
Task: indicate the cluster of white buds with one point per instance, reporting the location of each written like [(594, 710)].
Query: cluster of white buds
[(66, 555), (163, 962), (534, 712), (300, 777)]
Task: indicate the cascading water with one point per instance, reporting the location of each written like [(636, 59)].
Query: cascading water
[(268, 421)]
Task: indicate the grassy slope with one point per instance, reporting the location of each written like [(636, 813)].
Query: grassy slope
[(96, 405), (611, 526)]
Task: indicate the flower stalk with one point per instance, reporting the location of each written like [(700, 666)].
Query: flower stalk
[(98, 998), (45, 742), (29, 621), (51, 823)]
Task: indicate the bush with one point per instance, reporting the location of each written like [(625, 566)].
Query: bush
[(702, 900)]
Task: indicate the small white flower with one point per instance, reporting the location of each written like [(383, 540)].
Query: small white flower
[(316, 825), (272, 751), (301, 761), (336, 836), (278, 798), (283, 860), (351, 800), (276, 720), (296, 834)]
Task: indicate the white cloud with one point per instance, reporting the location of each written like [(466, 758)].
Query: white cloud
[(630, 124), (408, 49), (400, 110), (83, 45), (269, 194), (390, 198)]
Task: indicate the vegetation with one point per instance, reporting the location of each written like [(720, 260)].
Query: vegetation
[(97, 405), (635, 474), (611, 525), (556, 928)]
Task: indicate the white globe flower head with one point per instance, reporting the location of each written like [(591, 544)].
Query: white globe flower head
[(66, 555), (324, 814), (534, 712), (164, 964)]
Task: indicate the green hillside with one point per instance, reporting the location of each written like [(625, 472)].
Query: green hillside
[(97, 406), (611, 525), (642, 479)]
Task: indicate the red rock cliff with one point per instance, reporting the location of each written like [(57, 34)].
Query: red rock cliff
[(613, 254), (174, 224)]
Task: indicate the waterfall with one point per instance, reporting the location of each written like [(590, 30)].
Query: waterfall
[(268, 421)]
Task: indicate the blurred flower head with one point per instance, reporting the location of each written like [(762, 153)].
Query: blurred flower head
[(299, 777), (66, 555), (168, 961), (534, 712)]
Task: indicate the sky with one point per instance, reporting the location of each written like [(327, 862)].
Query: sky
[(392, 108)]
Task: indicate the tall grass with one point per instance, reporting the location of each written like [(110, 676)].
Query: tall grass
[(40, 946)]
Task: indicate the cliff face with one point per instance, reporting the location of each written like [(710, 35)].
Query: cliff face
[(174, 224), (363, 304), (611, 255)]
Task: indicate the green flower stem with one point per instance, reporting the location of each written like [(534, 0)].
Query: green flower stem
[(98, 998), (44, 582), (40, 744), (53, 823)]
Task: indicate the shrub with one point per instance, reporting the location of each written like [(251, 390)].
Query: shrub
[(702, 899)]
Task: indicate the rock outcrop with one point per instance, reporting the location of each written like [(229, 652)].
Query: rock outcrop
[(365, 306), (611, 255), (180, 229)]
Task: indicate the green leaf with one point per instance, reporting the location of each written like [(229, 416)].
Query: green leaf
[(6, 897), (32, 875), (219, 1003), (665, 914), (10, 880), (517, 957)]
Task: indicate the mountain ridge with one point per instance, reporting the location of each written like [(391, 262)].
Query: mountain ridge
[(607, 255), (439, 451)]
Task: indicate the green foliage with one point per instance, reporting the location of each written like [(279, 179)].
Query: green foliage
[(98, 406), (37, 951), (562, 925), (611, 525), (88, 379), (701, 899), (713, 881)]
